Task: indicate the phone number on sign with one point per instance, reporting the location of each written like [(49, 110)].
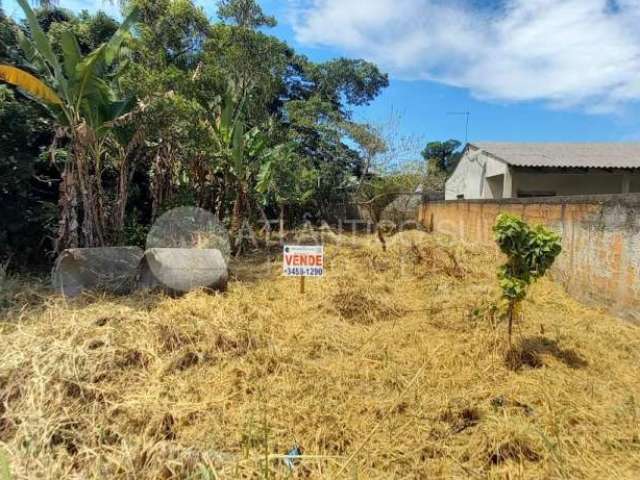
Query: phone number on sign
[(304, 271)]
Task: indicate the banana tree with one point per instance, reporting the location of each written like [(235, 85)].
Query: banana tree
[(286, 180), (241, 152), (80, 93)]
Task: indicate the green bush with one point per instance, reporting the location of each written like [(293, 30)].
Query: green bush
[(530, 253)]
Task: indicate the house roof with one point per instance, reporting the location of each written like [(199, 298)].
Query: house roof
[(564, 155)]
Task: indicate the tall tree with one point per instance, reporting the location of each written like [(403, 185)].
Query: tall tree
[(442, 156), (245, 14), (371, 143)]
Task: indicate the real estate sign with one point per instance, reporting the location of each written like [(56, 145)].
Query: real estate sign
[(303, 261)]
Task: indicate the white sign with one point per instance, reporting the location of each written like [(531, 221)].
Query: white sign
[(303, 261)]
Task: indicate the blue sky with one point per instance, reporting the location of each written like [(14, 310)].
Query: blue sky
[(527, 70)]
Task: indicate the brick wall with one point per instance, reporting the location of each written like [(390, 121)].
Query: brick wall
[(600, 262)]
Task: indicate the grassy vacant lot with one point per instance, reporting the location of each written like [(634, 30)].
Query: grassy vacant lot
[(392, 366)]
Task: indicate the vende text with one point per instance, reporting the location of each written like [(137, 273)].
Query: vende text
[(299, 260)]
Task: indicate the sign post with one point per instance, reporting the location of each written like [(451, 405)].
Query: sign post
[(303, 261)]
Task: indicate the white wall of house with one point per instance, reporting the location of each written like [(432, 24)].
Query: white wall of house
[(479, 176)]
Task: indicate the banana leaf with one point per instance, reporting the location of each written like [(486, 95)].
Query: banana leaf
[(71, 53), (29, 84)]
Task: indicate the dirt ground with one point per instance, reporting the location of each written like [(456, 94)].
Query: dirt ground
[(394, 365)]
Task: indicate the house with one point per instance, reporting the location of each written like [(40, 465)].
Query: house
[(511, 170)]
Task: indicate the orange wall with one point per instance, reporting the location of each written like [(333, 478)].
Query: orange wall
[(600, 262)]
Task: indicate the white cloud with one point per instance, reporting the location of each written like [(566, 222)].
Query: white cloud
[(569, 53)]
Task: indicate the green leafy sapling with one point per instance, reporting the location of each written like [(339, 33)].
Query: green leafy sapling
[(530, 252)]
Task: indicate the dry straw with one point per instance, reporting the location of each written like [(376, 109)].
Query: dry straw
[(392, 366)]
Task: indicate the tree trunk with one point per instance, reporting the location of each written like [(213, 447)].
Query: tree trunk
[(222, 196), (381, 238), (373, 217), (263, 215), (281, 222), (125, 174), (161, 181), (237, 216), (510, 314), (88, 174), (68, 205)]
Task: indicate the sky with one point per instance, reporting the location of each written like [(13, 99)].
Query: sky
[(525, 70)]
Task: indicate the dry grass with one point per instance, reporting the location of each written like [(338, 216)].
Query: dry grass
[(392, 366)]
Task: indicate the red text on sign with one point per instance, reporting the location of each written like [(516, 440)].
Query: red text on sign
[(298, 260)]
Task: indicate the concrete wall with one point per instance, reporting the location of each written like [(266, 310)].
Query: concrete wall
[(600, 262)]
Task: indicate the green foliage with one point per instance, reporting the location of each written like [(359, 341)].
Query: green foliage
[(53, 15), (26, 203), (530, 253), (442, 156), (358, 81), (441, 159), (244, 13), (7, 37), (81, 81), (379, 191), (178, 109), (171, 33), (285, 178)]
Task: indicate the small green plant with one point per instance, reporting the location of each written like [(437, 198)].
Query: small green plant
[(530, 253)]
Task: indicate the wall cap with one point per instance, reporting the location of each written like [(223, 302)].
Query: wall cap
[(628, 199)]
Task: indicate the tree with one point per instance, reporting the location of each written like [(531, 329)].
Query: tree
[(286, 180), (370, 142), (356, 81), (297, 101), (81, 96), (171, 33), (93, 30), (245, 14), (530, 253), (442, 156), (241, 151), (149, 121)]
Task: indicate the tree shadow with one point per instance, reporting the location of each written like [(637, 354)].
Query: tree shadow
[(528, 354)]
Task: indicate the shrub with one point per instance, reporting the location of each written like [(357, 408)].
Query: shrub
[(530, 253)]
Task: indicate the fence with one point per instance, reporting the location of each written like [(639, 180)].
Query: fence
[(600, 262)]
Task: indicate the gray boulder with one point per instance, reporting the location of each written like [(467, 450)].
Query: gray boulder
[(179, 270), (110, 269)]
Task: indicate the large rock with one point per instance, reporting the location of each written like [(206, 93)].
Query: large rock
[(111, 269), (179, 270)]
